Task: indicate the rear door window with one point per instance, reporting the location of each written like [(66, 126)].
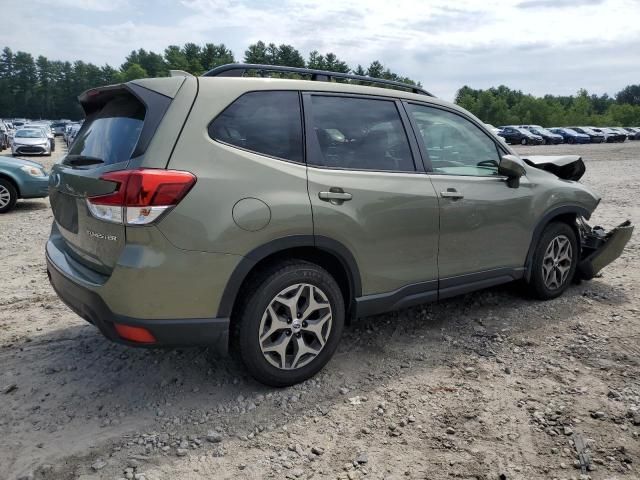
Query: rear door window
[(267, 123), (111, 133), (358, 134)]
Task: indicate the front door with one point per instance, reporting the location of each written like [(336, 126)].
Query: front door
[(367, 192), (485, 226)]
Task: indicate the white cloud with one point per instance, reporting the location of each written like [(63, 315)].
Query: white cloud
[(530, 45), (93, 5)]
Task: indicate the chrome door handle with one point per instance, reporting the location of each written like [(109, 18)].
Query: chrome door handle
[(451, 193), (335, 196)]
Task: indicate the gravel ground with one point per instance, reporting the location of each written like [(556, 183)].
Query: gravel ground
[(491, 385)]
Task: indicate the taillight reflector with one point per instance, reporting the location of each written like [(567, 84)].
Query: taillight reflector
[(134, 334)]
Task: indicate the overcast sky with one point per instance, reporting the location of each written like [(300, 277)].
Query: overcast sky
[(539, 46)]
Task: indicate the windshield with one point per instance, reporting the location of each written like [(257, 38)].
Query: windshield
[(112, 133), (523, 130), (541, 131), (29, 134)]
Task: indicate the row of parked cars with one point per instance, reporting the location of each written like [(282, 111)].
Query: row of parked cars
[(23, 178), (35, 137), (537, 135)]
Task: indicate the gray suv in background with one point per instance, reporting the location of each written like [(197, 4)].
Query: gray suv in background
[(261, 214)]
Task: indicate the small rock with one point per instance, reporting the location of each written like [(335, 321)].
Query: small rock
[(317, 450), (362, 458), (344, 390), (181, 452), (568, 431), (12, 387), (213, 436), (598, 414), (98, 465), (451, 430)]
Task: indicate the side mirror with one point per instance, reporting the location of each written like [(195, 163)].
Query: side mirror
[(512, 168)]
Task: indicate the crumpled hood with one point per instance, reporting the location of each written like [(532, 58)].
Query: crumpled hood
[(567, 167)]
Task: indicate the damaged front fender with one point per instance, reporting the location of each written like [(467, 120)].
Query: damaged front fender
[(599, 248)]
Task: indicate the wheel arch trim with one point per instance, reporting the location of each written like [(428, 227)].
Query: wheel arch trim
[(4, 175), (255, 256), (548, 217)]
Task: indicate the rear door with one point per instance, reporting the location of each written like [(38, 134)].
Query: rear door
[(369, 192), (120, 124)]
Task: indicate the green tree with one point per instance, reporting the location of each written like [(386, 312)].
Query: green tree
[(213, 55), (175, 58), (256, 53), (629, 94), (192, 54), (134, 72)]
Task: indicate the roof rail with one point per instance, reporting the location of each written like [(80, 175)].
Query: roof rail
[(239, 69)]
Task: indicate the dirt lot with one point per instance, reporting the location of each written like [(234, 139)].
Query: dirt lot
[(491, 385)]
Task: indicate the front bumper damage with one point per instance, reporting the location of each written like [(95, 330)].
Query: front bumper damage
[(599, 248)]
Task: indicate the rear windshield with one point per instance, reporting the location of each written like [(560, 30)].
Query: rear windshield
[(111, 133)]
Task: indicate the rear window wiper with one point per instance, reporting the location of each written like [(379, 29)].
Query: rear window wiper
[(82, 160)]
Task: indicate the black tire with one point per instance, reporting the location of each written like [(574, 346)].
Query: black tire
[(524, 141), (539, 287), (254, 300), (571, 140), (7, 186)]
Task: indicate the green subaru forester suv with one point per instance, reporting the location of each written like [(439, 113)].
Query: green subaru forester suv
[(260, 214)]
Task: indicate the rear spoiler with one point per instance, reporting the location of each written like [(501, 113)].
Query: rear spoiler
[(156, 105)]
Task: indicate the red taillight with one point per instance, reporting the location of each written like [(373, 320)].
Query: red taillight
[(141, 195), (134, 334)]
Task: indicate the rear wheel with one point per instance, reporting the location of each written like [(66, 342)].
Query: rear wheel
[(8, 195), (571, 140), (554, 261), (289, 323), (523, 141)]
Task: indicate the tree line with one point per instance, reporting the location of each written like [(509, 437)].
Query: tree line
[(504, 106), (42, 88)]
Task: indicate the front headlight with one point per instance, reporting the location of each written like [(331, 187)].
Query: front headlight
[(33, 171)]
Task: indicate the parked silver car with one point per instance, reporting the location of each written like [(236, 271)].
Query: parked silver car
[(30, 141), (47, 131)]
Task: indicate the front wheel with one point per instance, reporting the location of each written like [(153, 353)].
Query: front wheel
[(8, 195), (289, 323), (554, 261), (523, 141)]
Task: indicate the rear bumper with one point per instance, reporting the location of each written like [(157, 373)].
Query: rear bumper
[(602, 248), (89, 305)]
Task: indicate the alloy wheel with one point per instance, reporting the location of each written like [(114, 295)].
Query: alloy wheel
[(5, 196), (556, 263), (295, 326)]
